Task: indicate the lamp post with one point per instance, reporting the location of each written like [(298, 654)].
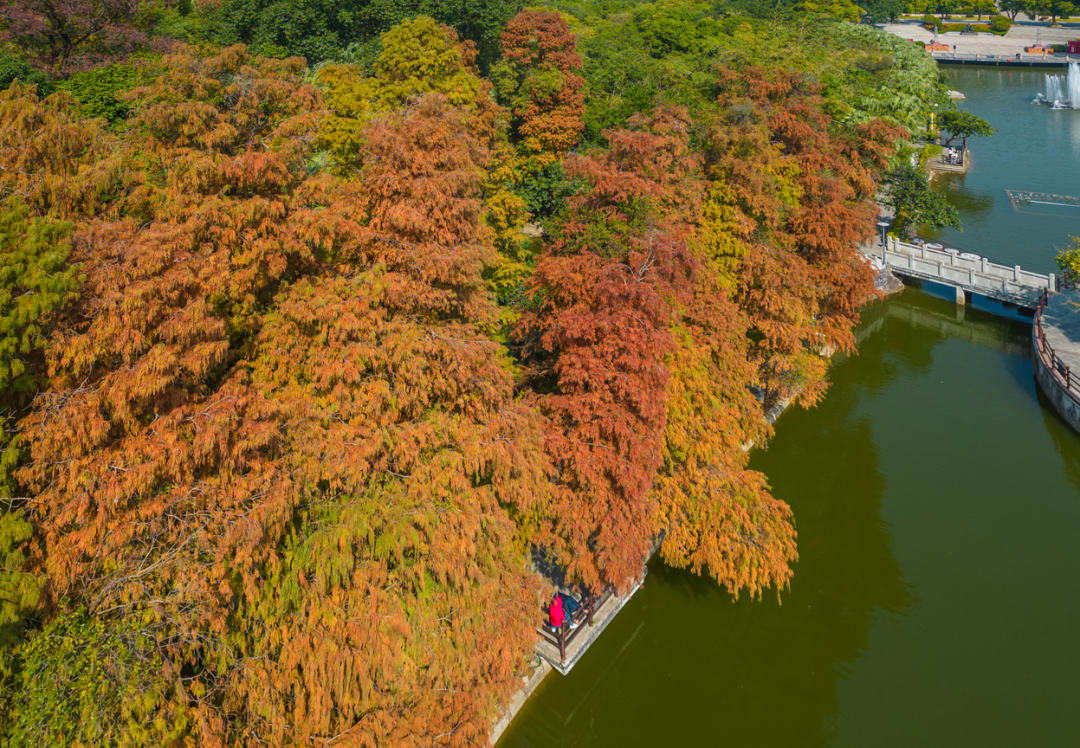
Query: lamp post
[(882, 226)]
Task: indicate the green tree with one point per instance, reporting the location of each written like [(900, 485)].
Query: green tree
[(35, 282), (93, 681), (961, 125), (915, 203), (982, 8), (324, 29), (1054, 8), (99, 91), (1013, 8), (945, 8), (883, 11), (14, 68)]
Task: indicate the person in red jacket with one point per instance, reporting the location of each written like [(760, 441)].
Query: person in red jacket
[(556, 616)]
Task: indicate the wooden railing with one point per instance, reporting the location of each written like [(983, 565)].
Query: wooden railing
[(562, 638), (1066, 380)]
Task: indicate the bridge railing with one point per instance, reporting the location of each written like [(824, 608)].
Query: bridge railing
[(1065, 378), (1057, 59), (977, 273)]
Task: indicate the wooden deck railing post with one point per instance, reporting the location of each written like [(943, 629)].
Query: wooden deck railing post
[(562, 644)]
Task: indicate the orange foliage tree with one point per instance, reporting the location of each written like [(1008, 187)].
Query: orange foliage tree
[(276, 444), (539, 78), (399, 611), (797, 201)]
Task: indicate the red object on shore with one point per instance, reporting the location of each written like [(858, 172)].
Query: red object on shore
[(1073, 47), (555, 613)]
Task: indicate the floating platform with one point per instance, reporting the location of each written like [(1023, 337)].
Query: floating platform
[(942, 166)]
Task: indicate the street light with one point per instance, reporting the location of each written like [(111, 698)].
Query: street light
[(882, 225)]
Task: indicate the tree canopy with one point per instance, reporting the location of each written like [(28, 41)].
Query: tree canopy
[(303, 360)]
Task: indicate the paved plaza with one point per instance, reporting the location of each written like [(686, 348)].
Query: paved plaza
[(986, 43)]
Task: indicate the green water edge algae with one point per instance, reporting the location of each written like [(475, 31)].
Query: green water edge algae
[(936, 496)]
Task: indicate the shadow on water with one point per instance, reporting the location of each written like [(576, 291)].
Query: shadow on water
[(1066, 440), (683, 663)]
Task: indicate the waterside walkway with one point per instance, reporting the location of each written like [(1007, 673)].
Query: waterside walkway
[(989, 49), (1055, 340), (561, 651)]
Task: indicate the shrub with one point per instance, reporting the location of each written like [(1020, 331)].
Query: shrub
[(933, 22), (13, 68), (1000, 24), (97, 91)]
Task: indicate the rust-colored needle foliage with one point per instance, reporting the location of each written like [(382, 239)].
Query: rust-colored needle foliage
[(598, 342), (400, 609), (547, 96), (799, 201), (280, 475), (276, 441)]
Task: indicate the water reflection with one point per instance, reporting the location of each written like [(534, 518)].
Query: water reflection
[(937, 526), (1065, 440), (683, 664)]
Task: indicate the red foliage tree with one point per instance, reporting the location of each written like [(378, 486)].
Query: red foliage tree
[(539, 72), (598, 342), (66, 36)]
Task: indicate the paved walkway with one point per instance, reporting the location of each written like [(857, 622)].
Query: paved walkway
[(1061, 326), (986, 43)]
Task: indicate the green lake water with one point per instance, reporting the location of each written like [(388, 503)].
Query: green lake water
[(936, 601), (1035, 148)]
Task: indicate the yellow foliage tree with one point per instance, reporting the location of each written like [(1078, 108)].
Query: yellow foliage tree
[(418, 57), (506, 214)]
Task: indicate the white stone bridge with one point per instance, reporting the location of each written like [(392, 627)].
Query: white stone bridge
[(966, 273)]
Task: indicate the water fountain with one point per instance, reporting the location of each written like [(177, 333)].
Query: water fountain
[(1062, 91)]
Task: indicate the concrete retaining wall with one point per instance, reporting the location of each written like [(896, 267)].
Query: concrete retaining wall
[(1063, 402)]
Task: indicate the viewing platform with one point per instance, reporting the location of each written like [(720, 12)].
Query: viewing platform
[(563, 649)]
